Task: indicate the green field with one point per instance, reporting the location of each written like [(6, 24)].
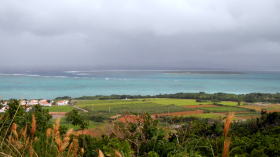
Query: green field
[(248, 114), (177, 102), (231, 103), (159, 101), (129, 106), (108, 108), (225, 109), (208, 115), (59, 108)]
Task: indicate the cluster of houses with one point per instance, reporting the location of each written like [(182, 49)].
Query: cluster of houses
[(43, 102), (29, 103)]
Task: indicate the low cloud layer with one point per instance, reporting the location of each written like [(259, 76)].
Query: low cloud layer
[(231, 34)]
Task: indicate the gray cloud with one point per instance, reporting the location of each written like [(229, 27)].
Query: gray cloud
[(188, 33)]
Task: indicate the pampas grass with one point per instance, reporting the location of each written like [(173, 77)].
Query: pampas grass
[(49, 132), (28, 140), (100, 153), (118, 154), (21, 142), (33, 125), (227, 139), (227, 142), (228, 123)]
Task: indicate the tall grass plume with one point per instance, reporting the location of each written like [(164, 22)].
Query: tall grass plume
[(227, 139)]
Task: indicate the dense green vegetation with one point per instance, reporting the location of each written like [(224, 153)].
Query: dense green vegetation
[(75, 119), (252, 97), (33, 133)]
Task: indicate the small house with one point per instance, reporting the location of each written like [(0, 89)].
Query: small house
[(33, 102), (23, 102), (45, 103), (62, 102), (3, 109)]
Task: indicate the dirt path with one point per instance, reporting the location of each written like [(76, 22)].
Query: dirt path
[(87, 132), (57, 114), (129, 118), (78, 108), (136, 118)]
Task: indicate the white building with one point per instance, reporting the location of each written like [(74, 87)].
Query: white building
[(33, 102), (3, 109), (5, 103), (28, 109), (62, 102), (45, 103), (23, 102)]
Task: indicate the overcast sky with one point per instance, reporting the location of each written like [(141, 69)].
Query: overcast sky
[(178, 33)]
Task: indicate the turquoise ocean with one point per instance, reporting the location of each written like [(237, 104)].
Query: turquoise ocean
[(133, 82)]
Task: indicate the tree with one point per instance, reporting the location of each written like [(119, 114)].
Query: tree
[(75, 118), (42, 117), (238, 103), (1, 103), (15, 113)]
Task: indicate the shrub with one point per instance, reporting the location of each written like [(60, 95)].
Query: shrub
[(75, 118)]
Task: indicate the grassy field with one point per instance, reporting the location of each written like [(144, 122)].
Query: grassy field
[(225, 109), (208, 115), (108, 108), (268, 107), (273, 107), (231, 103), (135, 105), (247, 114), (177, 102), (154, 105), (159, 101), (59, 108)]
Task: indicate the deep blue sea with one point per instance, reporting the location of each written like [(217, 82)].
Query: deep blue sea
[(90, 83)]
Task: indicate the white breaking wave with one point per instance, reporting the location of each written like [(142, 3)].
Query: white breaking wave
[(82, 74), (72, 71), (121, 79), (31, 75)]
